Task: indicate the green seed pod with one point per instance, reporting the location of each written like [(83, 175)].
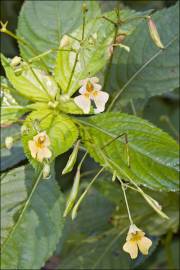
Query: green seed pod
[(154, 33), (72, 159), (73, 193)]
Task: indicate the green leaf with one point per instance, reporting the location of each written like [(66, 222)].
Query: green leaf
[(11, 157), (32, 83), (92, 57), (61, 130), (42, 26), (32, 219), (147, 70), (11, 110), (153, 153)]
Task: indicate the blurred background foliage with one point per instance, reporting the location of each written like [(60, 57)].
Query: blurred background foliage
[(163, 111)]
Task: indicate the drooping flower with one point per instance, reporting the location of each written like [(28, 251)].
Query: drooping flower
[(39, 146), (91, 90), (136, 239)]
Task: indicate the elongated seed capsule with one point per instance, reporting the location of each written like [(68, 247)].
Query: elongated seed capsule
[(154, 33), (155, 205), (72, 159), (73, 193)]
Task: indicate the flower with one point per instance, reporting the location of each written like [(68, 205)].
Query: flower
[(9, 142), (136, 239), (90, 90), (39, 146)]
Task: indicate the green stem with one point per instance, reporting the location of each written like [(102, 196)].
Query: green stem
[(133, 107), (75, 38), (82, 160), (73, 70), (83, 29), (126, 201), (23, 42), (109, 20), (111, 57), (46, 53)]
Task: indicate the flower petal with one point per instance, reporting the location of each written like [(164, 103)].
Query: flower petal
[(131, 248), (43, 153), (94, 80), (82, 90), (133, 229), (100, 99), (97, 87), (84, 82), (83, 102), (144, 245), (33, 148)]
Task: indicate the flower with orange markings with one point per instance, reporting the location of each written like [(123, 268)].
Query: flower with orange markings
[(39, 146), (136, 239), (91, 90)]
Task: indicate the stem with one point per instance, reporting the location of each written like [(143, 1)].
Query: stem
[(73, 70), (126, 201), (23, 42), (83, 29), (83, 158), (48, 52), (75, 38), (111, 57), (133, 107), (109, 20)]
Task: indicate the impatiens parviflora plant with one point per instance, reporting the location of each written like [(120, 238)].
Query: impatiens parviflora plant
[(49, 129)]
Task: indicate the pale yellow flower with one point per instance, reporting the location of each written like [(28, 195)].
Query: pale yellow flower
[(39, 146), (91, 90), (136, 239)]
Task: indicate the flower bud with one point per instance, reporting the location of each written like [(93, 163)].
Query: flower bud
[(84, 8), (154, 33), (9, 142), (64, 41), (46, 171), (120, 38), (16, 61), (24, 129), (53, 105)]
